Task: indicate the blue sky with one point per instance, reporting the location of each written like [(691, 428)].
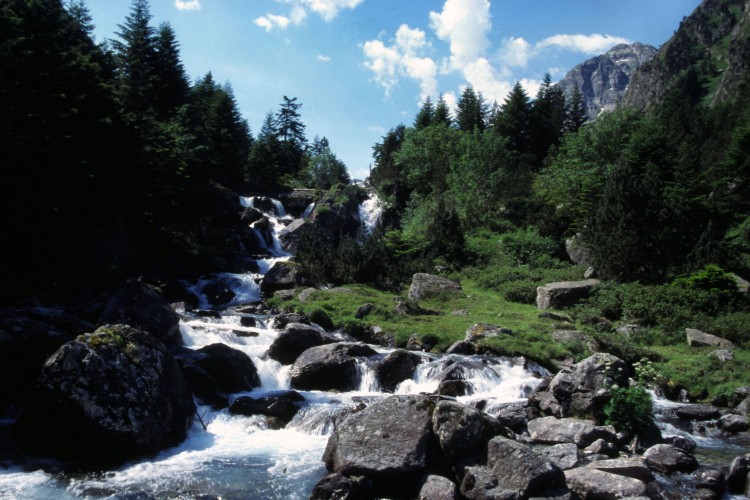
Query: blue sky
[(361, 67)]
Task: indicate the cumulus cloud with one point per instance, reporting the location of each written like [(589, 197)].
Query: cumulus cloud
[(515, 52), (323, 58), (404, 58), (588, 44), (464, 24), (187, 4), (326, 9)]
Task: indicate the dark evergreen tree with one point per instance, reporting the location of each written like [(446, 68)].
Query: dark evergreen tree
[(80, 12), (264, 163), (291, 135), (324, 170), (575, 115), (426, 114), (386, 176), (548, 115), (135, 53), (471, 110), (442, 114), (171, 85), (514, 120)]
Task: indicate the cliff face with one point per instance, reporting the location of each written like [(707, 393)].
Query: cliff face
[(707, 56), (603, 79)]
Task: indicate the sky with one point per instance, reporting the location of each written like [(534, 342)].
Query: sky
[(361, 67)]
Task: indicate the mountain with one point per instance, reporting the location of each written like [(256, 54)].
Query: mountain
[(707, 57), (603, 79)]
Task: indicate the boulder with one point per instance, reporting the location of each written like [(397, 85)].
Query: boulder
[(428, 285), (682, 442), (733, 423), (107, 396), (281, 320), (722, 355), (569, 430), (602, 447), (295, 339), (141, 306), (697, 412), (481, 331), (438, 488), (282, 276), (454, 388), (396, 367), (364, 310), (342, 487), (297, 200), (737, 478), (563, 294), (697, 338), (596, 484), (513, 470), (564, 455), (583, 389), (511, 415), (463, 433), (388, 442), (461, 347), (292, 235), (282, 405), (633, 467), (233, 370), (328, 367), (743, 408), (666, 459), (250, 215), (578, 251), (710, 479)]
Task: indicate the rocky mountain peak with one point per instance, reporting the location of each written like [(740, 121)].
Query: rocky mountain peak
[(603, 79)]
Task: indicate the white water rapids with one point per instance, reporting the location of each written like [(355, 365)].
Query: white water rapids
[(240, 457)]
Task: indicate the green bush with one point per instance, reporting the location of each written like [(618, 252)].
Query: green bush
[(521, 291), (629, 409), (732, 326), (526, 245)]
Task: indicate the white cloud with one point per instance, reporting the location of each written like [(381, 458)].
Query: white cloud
[(465, 25), (531, 86), (271, 21), (403, 58), (326, 9), (323, 58), (588, 44), (515, 52), (187, 4)]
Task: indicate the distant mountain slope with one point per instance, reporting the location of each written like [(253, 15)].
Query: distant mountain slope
[(603, 79), (707, 56)]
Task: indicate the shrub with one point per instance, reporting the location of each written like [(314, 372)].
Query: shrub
[(732, 326), (526, 245), (629, 409), (521, 291)]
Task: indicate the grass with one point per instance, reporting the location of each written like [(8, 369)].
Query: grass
[(452, 315)]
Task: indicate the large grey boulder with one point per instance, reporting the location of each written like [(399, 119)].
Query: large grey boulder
[(142, 306), (582, 433), (291, 236), (697, 412), (328, 367), (666, 459), (564, 455), (591, 483), (733, 423), (282, 276), (280, 406), (438, 488), (295, 339), (388, 442), (578, 251), (428, 285), (697, 338), (396, 367), (582, 390), (634, 467), (463, 433), (563, 293), (737, 478), (107, 396), (513, 470), (342, 487)]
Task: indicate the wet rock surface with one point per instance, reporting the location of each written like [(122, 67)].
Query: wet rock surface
[(328, 367)]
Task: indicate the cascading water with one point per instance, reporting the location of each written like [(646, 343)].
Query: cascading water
[(243, 457), (369, 213)]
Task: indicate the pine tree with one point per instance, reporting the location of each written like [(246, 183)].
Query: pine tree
[(548, 115), (135, 53), (471, 110), (426, 114), (442, 114), (575, 112), (171, 84), (514, 120), (289, 124)]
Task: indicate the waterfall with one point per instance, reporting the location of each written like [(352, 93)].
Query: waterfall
[(370, 212)]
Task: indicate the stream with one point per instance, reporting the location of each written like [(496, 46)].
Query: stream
[(242, 457)]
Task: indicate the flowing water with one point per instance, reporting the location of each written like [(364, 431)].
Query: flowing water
[(241, 457)]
